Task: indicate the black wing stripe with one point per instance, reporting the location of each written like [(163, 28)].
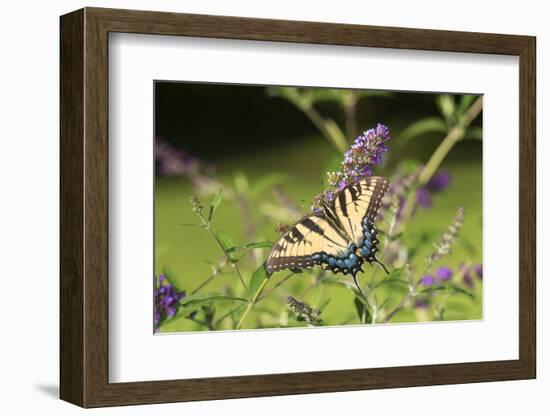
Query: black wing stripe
[(296, 234), (353, 193), (312, 226), (342, 200)]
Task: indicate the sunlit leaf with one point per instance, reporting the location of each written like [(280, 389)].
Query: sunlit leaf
[(259, 244), (226, 242), (259, 275), (323, 305), (193, 302), (446, 105), (422, 126), (362, 310), (169, 273), (214, 203), (191, 225)]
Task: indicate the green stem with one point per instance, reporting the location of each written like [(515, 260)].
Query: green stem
[(237, 271), (274, 288), (328, 128), (251, 304), (453, 136), (217, 271)]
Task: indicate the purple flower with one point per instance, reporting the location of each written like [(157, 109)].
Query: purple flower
[(436, 184), (439, 181), (443, 274), (365, 152), (466, 276), (427, 280), (421, 303), (423, 198), (478, 270), (166, 300)]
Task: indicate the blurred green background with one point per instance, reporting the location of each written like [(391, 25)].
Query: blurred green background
[(247, 138)]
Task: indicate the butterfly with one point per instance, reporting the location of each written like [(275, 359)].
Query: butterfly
[(340, 238)]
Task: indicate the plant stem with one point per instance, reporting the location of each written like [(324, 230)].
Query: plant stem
[(270, 291), (251, 303), (454, 135), (237, 271), (327, 127), (397, 308), (216, 272)]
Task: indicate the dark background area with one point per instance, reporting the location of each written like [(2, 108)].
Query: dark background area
[(212, 121)]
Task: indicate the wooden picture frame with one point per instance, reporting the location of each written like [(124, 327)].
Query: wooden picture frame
[(84, 207)]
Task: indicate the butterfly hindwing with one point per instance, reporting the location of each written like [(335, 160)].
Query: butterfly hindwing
[(356, 207)]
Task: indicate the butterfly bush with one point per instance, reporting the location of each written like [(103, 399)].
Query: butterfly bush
[(416, 281), (167, 300), (366, 152)]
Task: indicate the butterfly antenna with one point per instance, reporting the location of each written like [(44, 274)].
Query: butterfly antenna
[(380, 263)]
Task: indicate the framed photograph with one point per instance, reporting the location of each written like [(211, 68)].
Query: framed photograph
[(256, 207)]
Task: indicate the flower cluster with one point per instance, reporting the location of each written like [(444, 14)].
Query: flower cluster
[(400, 185), (173, 161), (442, 274), (364, 153), (303, 311), (439, 182), (469, 272), (443, 246), (167, 299)]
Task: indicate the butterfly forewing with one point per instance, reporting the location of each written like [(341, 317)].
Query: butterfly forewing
[(299, 246)]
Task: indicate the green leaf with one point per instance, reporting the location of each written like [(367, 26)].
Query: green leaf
[(259, 275), (226, 242), (204, 298), (474, 133), (259, 244), (362, 310), (172, 277), (193, 302), (323, 305), (191, 225), (422, 126), (214, 203), (456, 289), (446, 105)]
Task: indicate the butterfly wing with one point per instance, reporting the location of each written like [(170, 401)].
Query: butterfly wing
[(313, 241), (355, 208)]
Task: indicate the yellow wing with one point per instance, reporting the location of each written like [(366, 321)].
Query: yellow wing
[(306, 244), (356, 206)]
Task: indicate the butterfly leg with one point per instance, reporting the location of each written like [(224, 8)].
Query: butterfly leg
[(380, 263)]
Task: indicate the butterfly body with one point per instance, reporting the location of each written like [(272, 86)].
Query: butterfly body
[(340, 238)]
